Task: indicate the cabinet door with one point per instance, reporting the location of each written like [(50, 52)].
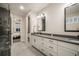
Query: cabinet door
[(36, 41), (32, 39), (65, 52), (39, 42)]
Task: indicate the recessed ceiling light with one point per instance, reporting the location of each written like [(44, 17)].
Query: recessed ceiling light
[(21, 7)]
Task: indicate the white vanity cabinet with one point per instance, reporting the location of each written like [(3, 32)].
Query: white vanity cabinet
[(52, 47), (67, 49)]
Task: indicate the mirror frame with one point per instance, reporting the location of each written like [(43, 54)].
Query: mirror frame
[(65, 20), (43, 21)]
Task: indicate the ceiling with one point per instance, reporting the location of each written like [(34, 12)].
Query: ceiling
[(35, 7)]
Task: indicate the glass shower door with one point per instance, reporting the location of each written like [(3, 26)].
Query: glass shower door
[(5, 32)]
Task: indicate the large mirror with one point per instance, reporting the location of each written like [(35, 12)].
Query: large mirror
[(72, 18), (41, 22)]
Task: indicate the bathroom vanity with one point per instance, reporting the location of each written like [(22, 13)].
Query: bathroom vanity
[(54, 45)]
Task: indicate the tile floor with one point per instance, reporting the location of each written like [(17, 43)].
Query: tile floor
[(22, 49)]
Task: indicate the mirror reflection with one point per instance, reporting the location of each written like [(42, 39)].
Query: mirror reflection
[(72, 18)]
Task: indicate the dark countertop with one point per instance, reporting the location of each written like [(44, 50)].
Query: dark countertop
[(63, 39)]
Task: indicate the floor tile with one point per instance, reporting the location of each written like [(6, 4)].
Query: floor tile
[(22, 49)]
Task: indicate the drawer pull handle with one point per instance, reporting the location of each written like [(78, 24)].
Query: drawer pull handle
[(50, 47), (50, 40)]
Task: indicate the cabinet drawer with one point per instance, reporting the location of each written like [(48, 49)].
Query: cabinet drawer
[(50, 51), (51, 41), (68, 45), (51, 47)]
